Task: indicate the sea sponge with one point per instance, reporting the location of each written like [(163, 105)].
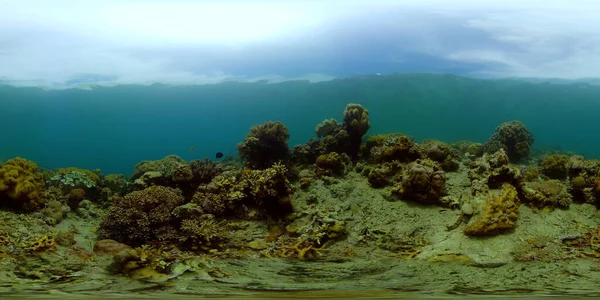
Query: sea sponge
[(501, 213), (265, 145), (143, 216), (21, 185), (514, 138), (555, 166)]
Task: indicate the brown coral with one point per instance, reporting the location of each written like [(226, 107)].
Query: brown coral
[(265, 145), (555, 166), (21, 185), (550, 193), (332, 164), (514, 138), (390, 147), (143, 216), (447, 156), (423, 181), (500, 214)]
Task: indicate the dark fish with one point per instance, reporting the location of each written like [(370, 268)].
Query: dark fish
[(219, 155)]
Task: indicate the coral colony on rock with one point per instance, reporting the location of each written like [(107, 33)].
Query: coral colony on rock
[(369, 207)]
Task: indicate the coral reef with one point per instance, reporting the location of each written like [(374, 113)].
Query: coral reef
[(21, 185), (554, 166), (203, 171), (265, 145), (494, 170), (549, 193), (423, 181), (143, 216), (501, 213), (447, 156), (390, 147), (514, 138), (166, 166), (267, 189), (356, 123), (332, 164), (328, 127)]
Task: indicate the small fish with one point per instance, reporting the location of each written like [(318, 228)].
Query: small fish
[(192, 148), (219, 155)]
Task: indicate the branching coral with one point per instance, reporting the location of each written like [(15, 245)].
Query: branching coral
[(203, 171), (265, 145), (514, 138), (500, 214), (21, 185), (143, 216)]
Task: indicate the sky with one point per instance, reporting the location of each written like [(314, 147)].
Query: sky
[(69, 42)]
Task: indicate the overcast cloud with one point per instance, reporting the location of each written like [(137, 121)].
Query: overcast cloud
[(62, 42)]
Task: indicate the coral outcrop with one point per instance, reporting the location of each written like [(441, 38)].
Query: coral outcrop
[(514, 138), (555, 166), (143, 216), (549, 193), (501, 213), (446, 155), (332, 164), (423, 181), (235, 192), (21, 185), (390, 147), (265, 145)]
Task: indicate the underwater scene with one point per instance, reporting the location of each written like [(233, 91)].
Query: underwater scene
[(312, 171)]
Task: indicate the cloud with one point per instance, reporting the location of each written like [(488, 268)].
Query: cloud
[(67, 42)]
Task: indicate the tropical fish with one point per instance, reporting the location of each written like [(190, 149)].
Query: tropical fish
[(192, 148), (219, 155)]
